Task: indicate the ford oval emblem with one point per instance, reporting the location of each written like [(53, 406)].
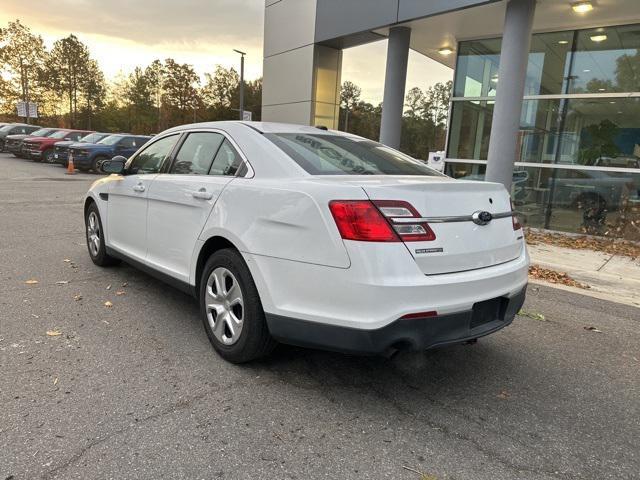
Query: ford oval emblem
[(481, 217)]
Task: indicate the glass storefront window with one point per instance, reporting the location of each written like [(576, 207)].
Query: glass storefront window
[(602, 132), (594, 202), (607, 60), (548, 65), (477, 68), (470, 126)]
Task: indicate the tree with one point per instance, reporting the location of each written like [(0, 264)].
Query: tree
[(180, 89), (67, 68), (154, 74), (22, 56), (349, 97), (415, 102), (93, 88)]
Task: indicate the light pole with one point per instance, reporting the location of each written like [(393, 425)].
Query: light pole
[(242, 54), (24, 70)]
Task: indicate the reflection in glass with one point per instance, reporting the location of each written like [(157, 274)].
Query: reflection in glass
[(607, 60), (589, 201)]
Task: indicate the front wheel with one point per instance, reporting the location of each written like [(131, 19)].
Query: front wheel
[(231, 309), (48, 156), (95, 238)]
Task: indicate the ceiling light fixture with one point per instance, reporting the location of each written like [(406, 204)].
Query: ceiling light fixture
[(586, 70), (582, 7), (563, 42), (445, 51), (598, 38)]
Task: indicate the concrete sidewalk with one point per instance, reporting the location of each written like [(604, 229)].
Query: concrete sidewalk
[(610, 277)]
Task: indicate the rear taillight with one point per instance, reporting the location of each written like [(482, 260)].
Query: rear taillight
[(361, 220), (514, 218), (401, 215)]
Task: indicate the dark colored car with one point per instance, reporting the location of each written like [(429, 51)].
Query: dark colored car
[(14, 143), (89, 156), (41, 148), (15, 129), (61, 149)]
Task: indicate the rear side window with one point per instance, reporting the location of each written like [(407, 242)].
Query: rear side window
[(196, 153), (341, 155), (227, 162), (127, 142), (151, 158)]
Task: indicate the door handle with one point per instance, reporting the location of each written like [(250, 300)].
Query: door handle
[(139, 188), (202, 194)]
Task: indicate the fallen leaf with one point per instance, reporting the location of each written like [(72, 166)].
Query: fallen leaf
[(613, 246), (77, 298), (66, 260), (55, 382), (108, 304), (503, 395), (593, 329), (125, 284), (121, 292), (35, 316), (535, 271), (31, 282), (53, 333), (62, 282), (534, 315), (109, 287)]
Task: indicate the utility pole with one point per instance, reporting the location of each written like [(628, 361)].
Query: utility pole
[(242, 54)]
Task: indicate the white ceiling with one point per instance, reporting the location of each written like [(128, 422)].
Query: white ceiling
[(430, 34)]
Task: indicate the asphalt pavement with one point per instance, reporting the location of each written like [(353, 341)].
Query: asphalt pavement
[(134, 390)]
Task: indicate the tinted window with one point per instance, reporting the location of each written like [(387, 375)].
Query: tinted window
[(151, 158), (196, 153), (227, 161), (340, 155), (74, 136), (127, 142), (59, 134)]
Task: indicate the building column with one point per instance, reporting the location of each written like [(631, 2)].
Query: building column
[(394, 84), (514, 56)]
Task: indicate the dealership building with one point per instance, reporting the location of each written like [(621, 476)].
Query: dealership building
[(546, 95)]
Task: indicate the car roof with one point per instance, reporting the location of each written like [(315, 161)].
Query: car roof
[(262, 127)]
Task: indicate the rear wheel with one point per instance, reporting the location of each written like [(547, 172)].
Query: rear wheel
[(231, 309), (95, 238)]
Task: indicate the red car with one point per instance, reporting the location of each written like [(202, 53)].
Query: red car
[(41, 148)]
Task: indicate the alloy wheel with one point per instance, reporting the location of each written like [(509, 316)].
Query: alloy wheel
[(224, 305), (93, 234)]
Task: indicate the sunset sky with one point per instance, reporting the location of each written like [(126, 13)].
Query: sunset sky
[(123, 34)]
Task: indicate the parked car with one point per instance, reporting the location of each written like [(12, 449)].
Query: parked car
[(87, 157), (61, 149), (14, 129), (41, 149), (311, 237), (14, 143)]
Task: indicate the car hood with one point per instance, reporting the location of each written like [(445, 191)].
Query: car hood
[(92, 147), (65, 143), (17, 136), (35, 139)]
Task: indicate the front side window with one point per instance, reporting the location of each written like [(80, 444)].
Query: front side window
[(110, 140), (59, 134), (340, 155), (151, 158), (227, 162), (196, 153)]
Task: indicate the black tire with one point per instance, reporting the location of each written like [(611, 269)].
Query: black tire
[(95, 165), (47, 156), (97, 251), (254, 340)]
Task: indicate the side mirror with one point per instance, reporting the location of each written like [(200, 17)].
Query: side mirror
[(115, 165)]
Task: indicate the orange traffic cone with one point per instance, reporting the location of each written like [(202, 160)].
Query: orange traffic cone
[(70, 168)]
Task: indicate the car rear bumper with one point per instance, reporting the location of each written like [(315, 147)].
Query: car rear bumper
[(412, 334)]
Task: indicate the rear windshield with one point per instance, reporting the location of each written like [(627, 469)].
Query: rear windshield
[(340, 155), (60, 134), (110, 140), (42, 132)]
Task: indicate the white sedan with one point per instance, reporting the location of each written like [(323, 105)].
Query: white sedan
[(311, 237)]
